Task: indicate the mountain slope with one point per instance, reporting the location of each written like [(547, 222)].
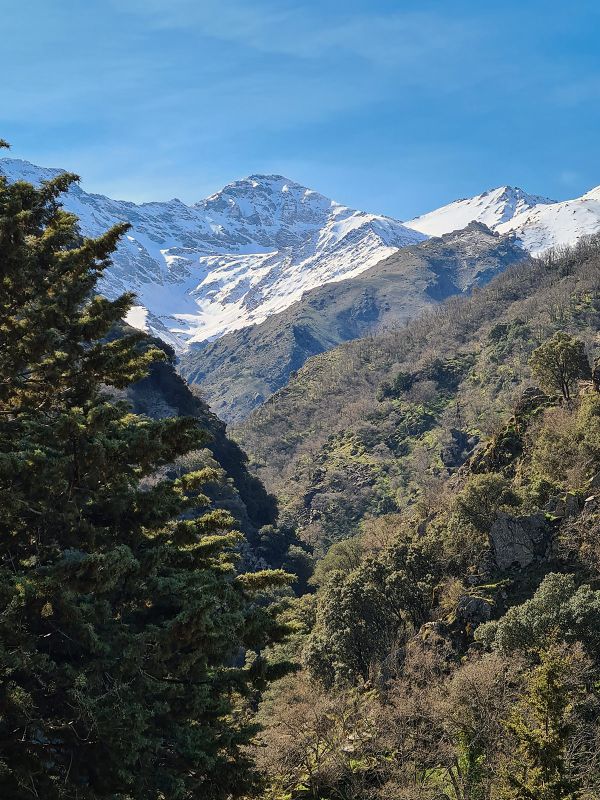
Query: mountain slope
[(254, 248), (376, 424), (163, 393), (539, 224), (556, 225), (241, 369), (231, 260)]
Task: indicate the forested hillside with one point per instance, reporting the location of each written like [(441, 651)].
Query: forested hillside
[(380, 423), (162, 394), (451, 648), (299, 476)]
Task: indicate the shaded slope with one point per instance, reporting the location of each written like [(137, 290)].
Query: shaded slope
[(163, 393), (242, 369)]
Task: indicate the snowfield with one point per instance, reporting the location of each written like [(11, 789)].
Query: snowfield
[(496, 207), (538, 223)]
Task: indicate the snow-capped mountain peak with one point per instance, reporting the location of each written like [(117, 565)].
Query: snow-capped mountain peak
[(15, 169), (493, 208), (538, 223), (556, 224), (271, 209), (593, 194), (247, 251)]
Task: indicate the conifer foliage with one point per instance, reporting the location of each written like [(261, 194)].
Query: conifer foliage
[(122, 618)]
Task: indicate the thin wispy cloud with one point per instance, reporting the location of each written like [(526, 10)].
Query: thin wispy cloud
[(382, 39)]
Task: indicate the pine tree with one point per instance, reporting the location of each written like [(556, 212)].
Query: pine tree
[(122, 620), (541, 726)]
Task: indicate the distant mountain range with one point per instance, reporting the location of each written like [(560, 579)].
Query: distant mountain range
[(254, 248), (233, 259), (495, 208), (537, 222)]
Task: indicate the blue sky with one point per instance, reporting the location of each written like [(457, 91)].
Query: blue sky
[(392, 107)]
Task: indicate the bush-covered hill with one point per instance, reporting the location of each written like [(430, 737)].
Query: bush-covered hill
[(451, 649), (379, 423), (242, 369), (453, 652)]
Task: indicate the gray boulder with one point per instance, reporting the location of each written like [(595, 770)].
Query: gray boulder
[(518, 541), (473, 610), (570, 505)]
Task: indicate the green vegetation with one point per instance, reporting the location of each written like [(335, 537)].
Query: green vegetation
[(430, 669), (451, 649), (340, 442), (559, 362), (123, 621)]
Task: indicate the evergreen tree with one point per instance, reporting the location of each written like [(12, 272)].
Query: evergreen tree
[(541, 725), (122, 620)]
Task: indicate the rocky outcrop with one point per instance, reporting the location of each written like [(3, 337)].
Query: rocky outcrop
[(503, 449), (563, 507), (473, 610), (519, 541), (458, 449)]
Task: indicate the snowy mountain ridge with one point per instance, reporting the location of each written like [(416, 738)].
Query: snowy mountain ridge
[(493, 208), (538, 223), (555, 224), (256, 246), (231, 260)]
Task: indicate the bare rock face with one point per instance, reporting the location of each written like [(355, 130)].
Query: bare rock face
[(519, 541), (473, 610), (570, 505)]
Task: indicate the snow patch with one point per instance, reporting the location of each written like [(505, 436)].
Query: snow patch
[(137, 317)]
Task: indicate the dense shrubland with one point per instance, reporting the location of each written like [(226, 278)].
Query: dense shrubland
[(450, 649), (447, 655)]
